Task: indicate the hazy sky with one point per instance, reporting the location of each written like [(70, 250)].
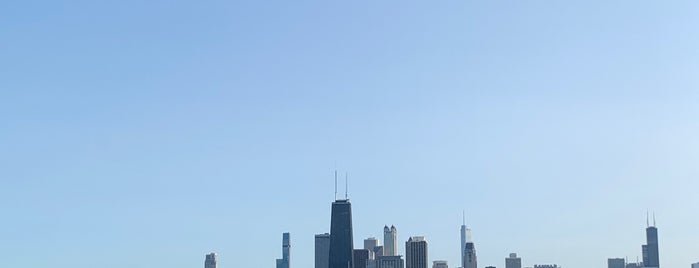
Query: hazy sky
[(148, 133)]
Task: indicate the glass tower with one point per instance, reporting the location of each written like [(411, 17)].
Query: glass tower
[(341, 245)]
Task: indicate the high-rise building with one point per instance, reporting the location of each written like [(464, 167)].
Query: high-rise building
[(210, 260), (546, 266), (470, 259), (389, 241), (390, 262), (513, 261), (361, 257), (695, 265), (341, 239), (440, 264), (371, 244), (651, 257), (463, 239), (616, 263), (416, 252), (322, 250), (378, 252), (284, 262)]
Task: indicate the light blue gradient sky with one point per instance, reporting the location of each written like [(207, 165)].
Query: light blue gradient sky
[(148, 133)]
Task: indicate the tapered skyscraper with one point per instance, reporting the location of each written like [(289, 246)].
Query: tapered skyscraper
[(651, 257), (463, 238), (390, 241), (285, 261), (470, 260), (341, 239), (210, 261)]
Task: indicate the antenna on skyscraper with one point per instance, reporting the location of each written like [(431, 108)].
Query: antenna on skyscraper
[(346, 186), (336, 184), (647, 221), (653, 218), (463, 215)]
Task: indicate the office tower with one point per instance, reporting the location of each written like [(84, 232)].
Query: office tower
[(616, 263), (440, 264), (470, 259), (416, 252), (361, 257), (341, 239), (513, 261), (284, 262), (322, 250), (389, 241), (370, 243), (210, 261), (463, 238), (695, 265), (390, 262), (650, 249)]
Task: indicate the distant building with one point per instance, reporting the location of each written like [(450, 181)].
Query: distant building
[(361, 257), (341, 239), (546, 266), (490, 267), (389, 241), (513, 261), (416, 252), (210, 261), (322, 250), (464, 239), (634, 265), (371, 244), (616, 263), (695, 265), (378, 251), (390, 262), (284, 262), (440, 264), (650, 249), (470, 259)]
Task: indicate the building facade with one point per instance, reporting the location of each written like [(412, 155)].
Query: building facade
[(416, 252), (361, 258), (651, 257), (440, 264), (389, 241), (390, 262), (695, 265), (285, 261), (470, 259), (341, 239), (616, 263), (322, 252), (513, 261), (210, 260)]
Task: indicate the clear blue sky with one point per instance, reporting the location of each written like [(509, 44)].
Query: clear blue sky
[(148, 133)]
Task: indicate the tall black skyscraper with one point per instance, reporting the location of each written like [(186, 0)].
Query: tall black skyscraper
[(651, 257), (341, 245), (416, 252)]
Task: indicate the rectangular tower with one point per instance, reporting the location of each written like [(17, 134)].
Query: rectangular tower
[(416, 252), (440, 264), (513, 261), (390, 241), (210, 261), (341, 239), (322, 250), (390, 262), (285, 261), (616, 263), (361, 257)]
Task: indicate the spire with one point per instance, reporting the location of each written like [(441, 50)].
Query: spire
[(336, 184), (463, 215), (653, 218), (346, 198), (647, 221)]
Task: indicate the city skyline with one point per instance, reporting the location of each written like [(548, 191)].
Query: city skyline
[(150, 133)]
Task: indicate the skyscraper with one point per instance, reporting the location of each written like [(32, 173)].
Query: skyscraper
[(322, 250), (416, 252), (389, 241), (513, 261), (463, 239), (470, 259), (284, 262), (371, 244), (361, 258), (440, 264), (650, 249), (390, 262), (341, 239), (210, 261), (616, 263), (695, 265)]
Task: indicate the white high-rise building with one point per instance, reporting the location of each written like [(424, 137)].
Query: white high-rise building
[(390, 241)]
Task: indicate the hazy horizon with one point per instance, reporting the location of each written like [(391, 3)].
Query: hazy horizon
[(149, 133)]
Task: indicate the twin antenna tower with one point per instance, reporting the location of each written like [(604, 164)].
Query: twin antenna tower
[(346, 198)]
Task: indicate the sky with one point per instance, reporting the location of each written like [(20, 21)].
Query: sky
[(149, 133)]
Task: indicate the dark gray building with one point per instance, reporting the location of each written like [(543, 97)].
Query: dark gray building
[(513, 261), (651, 257), (416, 252), (616, 263), (361, 257), (210, 260), (322, 250), (440, 264), (341, 239), (284, 262), (470, 259)]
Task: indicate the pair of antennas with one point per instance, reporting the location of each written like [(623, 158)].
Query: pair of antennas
[(346, 176)]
